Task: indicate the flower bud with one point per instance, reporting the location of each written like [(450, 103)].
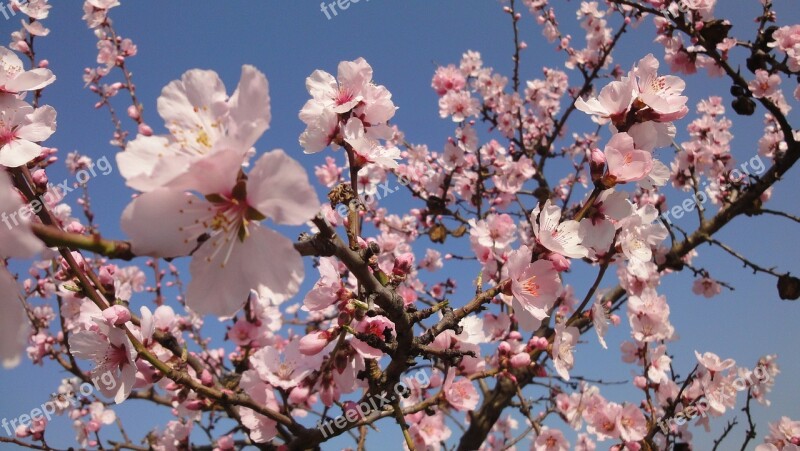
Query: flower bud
[(314, 343), (117, 315)]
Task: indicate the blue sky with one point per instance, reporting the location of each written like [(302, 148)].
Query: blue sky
[(404, 42)]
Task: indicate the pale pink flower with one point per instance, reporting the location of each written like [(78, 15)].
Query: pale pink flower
[(15, 79), (713, 363), (202, 121), (560, 237), (114, 356), (458, 104), (368, 150), (235, 253), (566, 338), (625, 162), (461, 395), (284, 368), (377, 327), (706, 286), (631, 423), (38, 9), (262, 429), (446, 79), (536, 287), (326, 291), (429, 431), (612, 104), (492, 236), (662, 93), (764, 85), (550, 440), (21, 128), (340, 94)]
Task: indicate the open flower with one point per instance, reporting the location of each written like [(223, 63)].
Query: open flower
[(15, 79), (625, 162), (114, 357), (202, 120), (232, 253), (21, 128), (462, 395), (560, 237), (535, 287), (566, 338)]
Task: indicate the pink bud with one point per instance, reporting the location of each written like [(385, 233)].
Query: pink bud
[(39, 177), (145, 130), (504, 347), (117, 315), (597, 164), (514, 335), (22, 431), (640, 382), (194, 404), (133, 112), (560, 263), (520, 360), (44, 64), (403, 264), (314, 343), (206, 378)]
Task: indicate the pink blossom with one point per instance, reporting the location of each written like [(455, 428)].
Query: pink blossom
[(238, 254), (326, 291), (202, 121), (284, 368), (764, 84), (114, 356), (117, 315), (550, 440), (262, 429), (21, 128), (626, 163), (706, 286), (560, 237), (461, 395), (15, 79), (535, 287), (446, 79), (612, 104), (713, 363), (566, 338), (458, 104), (662, 93)]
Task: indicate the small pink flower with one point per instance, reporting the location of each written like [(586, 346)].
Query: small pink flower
[(626, 163), (764, 84), (706, 286), (462, 395), (15, 79)]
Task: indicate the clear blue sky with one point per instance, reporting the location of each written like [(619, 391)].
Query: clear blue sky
[(404, 42)]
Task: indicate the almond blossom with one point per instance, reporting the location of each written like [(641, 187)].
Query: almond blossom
[(21, 128), (560, 237), (202, 121), (15, 79), (535, 287), (114, 357), (566, 338), (232, 253)]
